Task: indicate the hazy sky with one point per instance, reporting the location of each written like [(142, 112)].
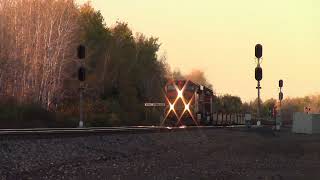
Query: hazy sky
[(218, 36)]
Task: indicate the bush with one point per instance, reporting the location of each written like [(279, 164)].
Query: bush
[(103, 120), (16, 116), (13, 115)]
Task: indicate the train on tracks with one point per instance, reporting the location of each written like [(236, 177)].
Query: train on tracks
[(188, 103)]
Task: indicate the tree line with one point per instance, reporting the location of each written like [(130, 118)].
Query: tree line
[(38, 63), (38, 69), (288, 106), (38, 66)]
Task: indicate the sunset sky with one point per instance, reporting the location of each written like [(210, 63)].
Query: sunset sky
[(218, 37)]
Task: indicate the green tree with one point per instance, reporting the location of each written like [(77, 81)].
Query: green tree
[(267, 107), (124, 69), (228, 104)]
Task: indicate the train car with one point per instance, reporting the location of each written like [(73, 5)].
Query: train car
[(188, 103)]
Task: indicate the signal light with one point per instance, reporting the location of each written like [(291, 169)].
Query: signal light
[(281, 83), (187, 107), (81, 52), (280, 96), (82, 74), (180, 94), (171, 107), (258, 51), (258, 73)]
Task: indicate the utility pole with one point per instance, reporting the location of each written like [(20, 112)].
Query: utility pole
[(81, 76), (258, 75)]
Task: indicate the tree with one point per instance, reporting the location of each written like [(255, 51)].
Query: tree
[(40, 38), (227, 104), (98, 40), (231, 104), (125, 68), (267, 107), (246, 108)]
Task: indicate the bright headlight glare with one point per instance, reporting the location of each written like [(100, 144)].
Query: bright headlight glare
[(187, 107), (171, 107), (180, 94)]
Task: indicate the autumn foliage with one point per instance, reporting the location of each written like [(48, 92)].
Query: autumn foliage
[(38, 63)]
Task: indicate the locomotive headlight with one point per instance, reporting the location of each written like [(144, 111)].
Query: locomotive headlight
[(180, 94), (187, 107), (171, 107)]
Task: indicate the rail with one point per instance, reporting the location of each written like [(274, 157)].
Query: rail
[(105, 130)]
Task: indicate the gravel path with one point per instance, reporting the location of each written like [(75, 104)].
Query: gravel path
[(195, 155)]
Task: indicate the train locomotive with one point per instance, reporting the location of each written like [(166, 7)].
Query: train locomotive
[(188, 104)]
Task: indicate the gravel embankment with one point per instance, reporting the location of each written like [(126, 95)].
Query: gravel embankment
[(198, 154)]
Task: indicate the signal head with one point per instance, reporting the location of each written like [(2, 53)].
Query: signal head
[(280, 96), (258, 51), (82, 74), (81, 51), (281, 83), (258, 73)]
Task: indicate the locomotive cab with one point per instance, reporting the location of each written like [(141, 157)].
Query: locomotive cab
[(204, 105)]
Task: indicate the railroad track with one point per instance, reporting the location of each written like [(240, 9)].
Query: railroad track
[(110, 130)]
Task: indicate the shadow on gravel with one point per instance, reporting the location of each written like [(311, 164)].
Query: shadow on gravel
[(264, 132)]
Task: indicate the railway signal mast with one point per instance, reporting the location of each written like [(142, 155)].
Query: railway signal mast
[(278, 119), (258, 75), (82, 77)]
